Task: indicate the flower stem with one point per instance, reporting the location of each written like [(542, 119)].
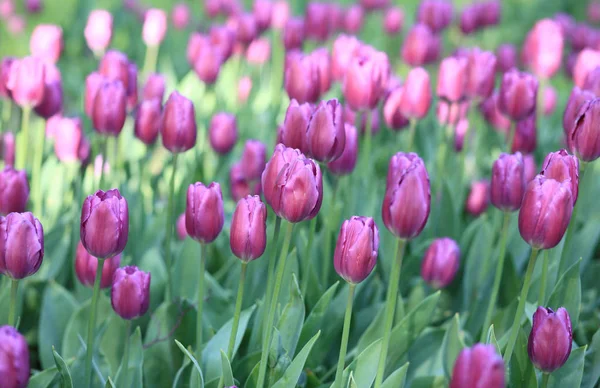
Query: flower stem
[(92, 324), (36, 178), (125, 361), (150, 61), (21, 161), (104, 145), (497, 278), (368, 141), (12, 310), (270, 273), (545, 378), (514, 331), (200, 302), (307, 259), (6, 111), (238, 310), (544, 279), (412, 129), (390, 309), (271, 315), (329, 231), (169, 230), (345, 333)]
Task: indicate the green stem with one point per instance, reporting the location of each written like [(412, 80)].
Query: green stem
[(368, 141), (125, 361), (544, 280), (329, 231), (21, 161), (200, 302), (75, 181), (514, 331), (92, 324), (170, 229), (36, 176), (497, 278), (345, 333), (511, 136), (270, 273), (150, 61), (104, 145), (264, 357), (390, 308), (238, 310), (116, 162), (545, 378), (412, 129), (308, 259), (6, 111), (12, 310)]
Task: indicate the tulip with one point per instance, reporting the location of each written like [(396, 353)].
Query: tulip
[(21, 245), (68, 139), (325, 136), (239, 185), (246, 28), (470, 19), (440, 262), (155, 27), (98, 30), (517, 96), (593, 12), (507, 57), (302, 78), (353, 19), (584, 137), (222, 132), (355, 253), (366, 79), (262, 10), (586, 61), (5, 70), (130, 292), (86, 265), (479, 198), (347, 161), (574, 103), (16, 24), (180, 227), (259, 51), (244, 89), (109, 109), (508, 182), (525, 139), (115, 66), (14, 361), (178, 124), (180, 16), (132, 86), (452, 79), (393, 20), (248, 236), (322, 60), (316, 21), (371, 5), (563, 167), (281, 14), (253, 159), (391, 109), (345, 48), (543, 47), (46, 42), (460, 132), (26, 81), (204, 212), (14, 190), (529, 167), (287, 175), (154, 88), (206, 60), (416, 98), (7, 149), (293, 34), (436, 14), (479, 366), (420, 46), (92, 83), (482, 65), (491, 113), (52, 103), (147, 121), (549, 100), (407, 201), (223, 40), (451, 113), (551, 338)]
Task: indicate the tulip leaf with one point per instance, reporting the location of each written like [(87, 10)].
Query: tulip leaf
[(364, 367), (452, 345), (570, 374), (592, 363), (352, 382), (183, 373), (193, 377), (293, 372), (491, 339), (522, 373), (567, 293), (109, 383), (429, 382), (44, 379), (291, 319), (135, 365), (374, 330), (315, 319), (397, 379), (65, 375), (227, 373)]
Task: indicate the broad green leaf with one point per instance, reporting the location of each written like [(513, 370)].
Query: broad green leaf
[(491, 339), (292, 374), (373, 332), (43, 379), (592, 363), (181, 372), (291, 319), (567, 293), (452, 345), (397, 378), (135, 364), (570, 374), (522, 373), (109, 383), (252, 380), (315, 319), (78, 325), (65, 375), (429, 382), (112, 343), (352, 382), (193, 360), (226, 367), (364, 368)]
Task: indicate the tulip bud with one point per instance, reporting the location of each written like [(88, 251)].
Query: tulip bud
[(302, 78), (206, 60), (584, 138), (132, 87), (440, 262), (470, 19), (549, 101), (460, 132), (391, 109), (204, 212), (98, 30), (436, 14), (545, 212), (154, 87), (371, 5), (262, 10), (517, 96), (326, 137), (5, 70), (46, 42), (551, 338), (479, 198), (52, 103), (292, 185), (530, 169), (355, 253), (258, 51), (347, 161), (293, 34), (295, 125), (416, 98), (26, 81), (393, 20), (92, 84), (452, 79), (491, 113), (115, 66), (479, 366), (366, 79), (104, 223), (239, 185), (507, 57), (86, 266), (14, 190), (244, 89), (222, 38), (109, 111), (21, 245), (155, 27), (564, 168), (281, 14), (419, 46), (15, 24), (130, 292), (180, 227), (68, 139), (180, 16), (353, 19), (508, 182), (178, 124), (253, 159), (587, 60), (525, 139), (322, 60), (248, 236), (147, 121), (7, 149), (14, 365), (223, 132), (574, 103), (482, 65), (316, 20), (544, 46), (345, 47), (407, 200)]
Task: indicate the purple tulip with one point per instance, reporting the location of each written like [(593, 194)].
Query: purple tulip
[(130, 292)]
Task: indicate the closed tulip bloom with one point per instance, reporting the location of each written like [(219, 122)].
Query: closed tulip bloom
[(52, 103), (204, 212), (440, 262), (545, 212), (21, 245), (104, 223), (292, 185), (68, 139), (417, 47), (550, 100), (248, 236), (98, 30), (155, 27), (14, 190), (244, 88), (372, 5), (345, 48), (254, 159), (393, 20), (132, 87), (110, 108), (470, 19), (262, 11), (366, 79), (154, 88), (517, 96), (115, 66), (574, 104), (178, 124), (478, 198), (551, 338), (525, 139), (223, 38), (5, 67), (407, 200), (491, 113), (353, 19), (46, 42), (452, 79), (317, 20), (180, 16), (416, 99), (451, 113), (482, 65), (530, 168), (147, 121), (592, 81), (347, 161), (563, 167), (281, 14), (391, 109), (508, 182), (460, 132), (207, 62), (584, 138), (26, 81), (259, 51), (437, 14), (586, 61), (302, 78), (293, 34), (296, 122), (478, 366), (92, 84), (180, 227), (14, 358), (130, 292), (239, 185), (322, 60), (507, 57), (222, 132), (7, 149), (326, 137), (246, 28), (86, 266), (544, 46), (356, 250)]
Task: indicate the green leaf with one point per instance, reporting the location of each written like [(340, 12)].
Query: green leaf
[(78, 325), (522, 373), (292, 374), (182, 373), (592, 363), (44, 378), (352, 382), (374, 331), (292, 317), (429, 382), (570, 374), (397, 379), (65, 375), (109, 383), (567, 293), (314, 322), (452, 345), (226, 367), (135, 366), (491, 339), (364, 368), (193, 360)]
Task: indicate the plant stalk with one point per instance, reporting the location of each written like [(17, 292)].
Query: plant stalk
[(92, 324), (200, 302), (238, 310), (170, 230), (12, 309), (345, 334)]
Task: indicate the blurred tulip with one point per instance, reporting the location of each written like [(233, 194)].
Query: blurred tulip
[(372, 5), (180, 227), (545, 212), (14, 190), (566, 23), (46, 42), (204, 212), (26, 81), (550, 99), (563, 167), (345, 48), (293, 34), (52, 103), (33, 6), (21, 245), (316, 20), (248, 236), (353, 19), (178, 124), (155, 27), (92, 83), (98, 30), (7, 148), (587, 60), (244, 89), (481, 68), (440, 262), (296, 122), (254, 159), (180, 16), (132, 87), (68, 139), (592, 81), (223, 132), (259, 51), (550, 339), (246, 28), (347, 161), (366, 79), (147, 121), (452, 79), (416, 98), (517, 95), (222, 38), (16, 24), (584, 137), (393, 20), (574, 104), (5, 70), (262, 10), (436, 14), (543, 48), (86, 266), (421, 46), (239, 185), (302, 78), (490, 14), (205, 58), (392, 115), (14, 365), (7, 8), (130, 292), (281, 14), (507, 57), (322, 60), (109, 111), (356, 249), (154, 88), (530, 169), (470, 19), (479, 198), (525, 139), (508, 182), (115, 66), (478, 366), (325, 136), (460, 133)]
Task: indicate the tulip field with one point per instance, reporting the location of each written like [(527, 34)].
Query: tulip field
[(300, 193)]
